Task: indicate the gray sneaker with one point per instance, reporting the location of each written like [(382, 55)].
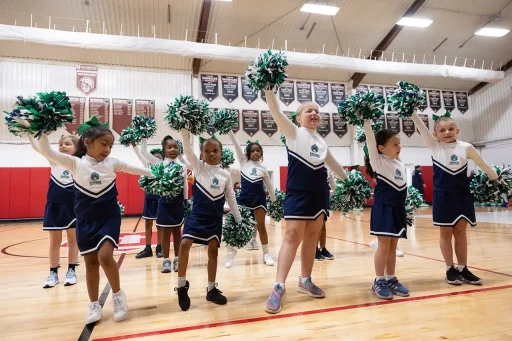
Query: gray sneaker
[(52, 280), (70, 278), (166, 266), (175, 264)]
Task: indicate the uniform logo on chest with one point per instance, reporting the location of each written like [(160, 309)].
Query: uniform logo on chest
[(314, 151), (398, 175), (95, 179), (215, 183), (65, 174), (254, 171), (454, 160)]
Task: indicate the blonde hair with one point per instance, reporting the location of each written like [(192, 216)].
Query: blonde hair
[(443, 119), (304, 106), (74, 139)]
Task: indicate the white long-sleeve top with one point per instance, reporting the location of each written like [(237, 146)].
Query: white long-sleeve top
[(308, 154), (212, 185)]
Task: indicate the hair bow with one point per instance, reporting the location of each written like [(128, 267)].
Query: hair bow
[(93, 122), (249, 141), (293, 117), (446, 114), (202, 139)]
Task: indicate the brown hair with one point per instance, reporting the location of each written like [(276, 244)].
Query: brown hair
[(442, 119)]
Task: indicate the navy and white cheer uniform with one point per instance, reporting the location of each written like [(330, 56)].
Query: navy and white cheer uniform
[(59, 212), (388, 218), (254, 179), (452, 200), (98, 218), (171, 211), (150, 200), (212, 187), (307, 191)]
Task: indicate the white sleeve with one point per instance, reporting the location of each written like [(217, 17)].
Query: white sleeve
[(335, 166), (371, 144), (189, 153), (231, 199), (270, 187), (332, 181), (130, 169), (184, 161), (473, 154), (430, 140), (238, 150), (147, 155), (141, 158), (67, 161), (283, 123), (233, 171)]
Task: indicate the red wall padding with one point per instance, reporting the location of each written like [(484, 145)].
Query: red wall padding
[(23, 192), (428, 173)]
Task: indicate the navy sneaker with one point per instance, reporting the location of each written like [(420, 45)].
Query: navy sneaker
[(468, 277), (318, 255), (453, 276), (396, 288), (326, 254), (381, 290)]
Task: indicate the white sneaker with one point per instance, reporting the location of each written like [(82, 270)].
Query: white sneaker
[(255, 245), (94, 313), (70, 278), (52, 280), (249, 246), (267, 258), (230, 256), (120, 306), (374, 243), (399, 252)]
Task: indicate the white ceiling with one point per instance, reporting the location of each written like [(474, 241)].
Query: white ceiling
[(359, 26)]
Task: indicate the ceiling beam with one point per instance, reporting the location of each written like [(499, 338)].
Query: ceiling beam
[(388, 39), (201, 32), (480, 85)]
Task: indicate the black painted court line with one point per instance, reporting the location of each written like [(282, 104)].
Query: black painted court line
[(88, 328)]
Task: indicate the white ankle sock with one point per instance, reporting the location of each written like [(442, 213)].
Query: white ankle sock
[(167, 259), (304, 279), (264, 248), (379, 277), (281, 284), (449, 267), (388, 277), (211, 285), (460, 267), (182, 281), (115, 294)]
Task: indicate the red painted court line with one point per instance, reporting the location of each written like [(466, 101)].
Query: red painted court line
[(300, 313), (425, 257)]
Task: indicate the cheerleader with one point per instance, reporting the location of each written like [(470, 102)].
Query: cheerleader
[(59, 213), (307, 196), (388, 218), (452, 204), (212, 187), (98, 218), (171, 211), (252, 195), (150, 208)]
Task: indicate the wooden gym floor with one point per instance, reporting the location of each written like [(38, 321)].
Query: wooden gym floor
[(434, 311)]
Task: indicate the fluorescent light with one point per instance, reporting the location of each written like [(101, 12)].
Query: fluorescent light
[(226, 0), (319, 9), (414, 22), (492, 32)]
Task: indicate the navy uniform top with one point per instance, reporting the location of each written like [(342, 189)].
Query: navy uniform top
[(308, 154), (212, 186), (150, 159), (61, 186), (417, 179), (253, 174), (451, 161), (95, 182), (391, 187)]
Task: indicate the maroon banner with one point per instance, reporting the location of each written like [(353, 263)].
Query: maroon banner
[(424, 118), (250, 121), (324, 128), (86, 78), (462, 101), (145, 107), (122, 114), (78, 107), (361, 89), (408, 126), (268, 125), (210, 86), (339, 127), (99, 107)]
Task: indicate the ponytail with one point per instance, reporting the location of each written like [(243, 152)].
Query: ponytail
[(81, 149)]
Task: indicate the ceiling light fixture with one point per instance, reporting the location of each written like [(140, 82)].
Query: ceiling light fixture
[(492, 32), (414, 22), (319, 9)]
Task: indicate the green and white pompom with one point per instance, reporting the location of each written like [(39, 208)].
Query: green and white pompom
[(189, 113), (237, 235), (129, 136), (188, 207), (406, 98), (144, 126), (267, 72), (167, 182), (121, 208), (362, 106), (283, 139), (228, 157), (351, 193), (360, 136), (276, 209), (157, 150), (414, 200), (224, 120), (487, 191), (39, 115)]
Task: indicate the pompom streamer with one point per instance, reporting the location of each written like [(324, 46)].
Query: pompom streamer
[(237, 235), (167, 181), (267, 72)]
